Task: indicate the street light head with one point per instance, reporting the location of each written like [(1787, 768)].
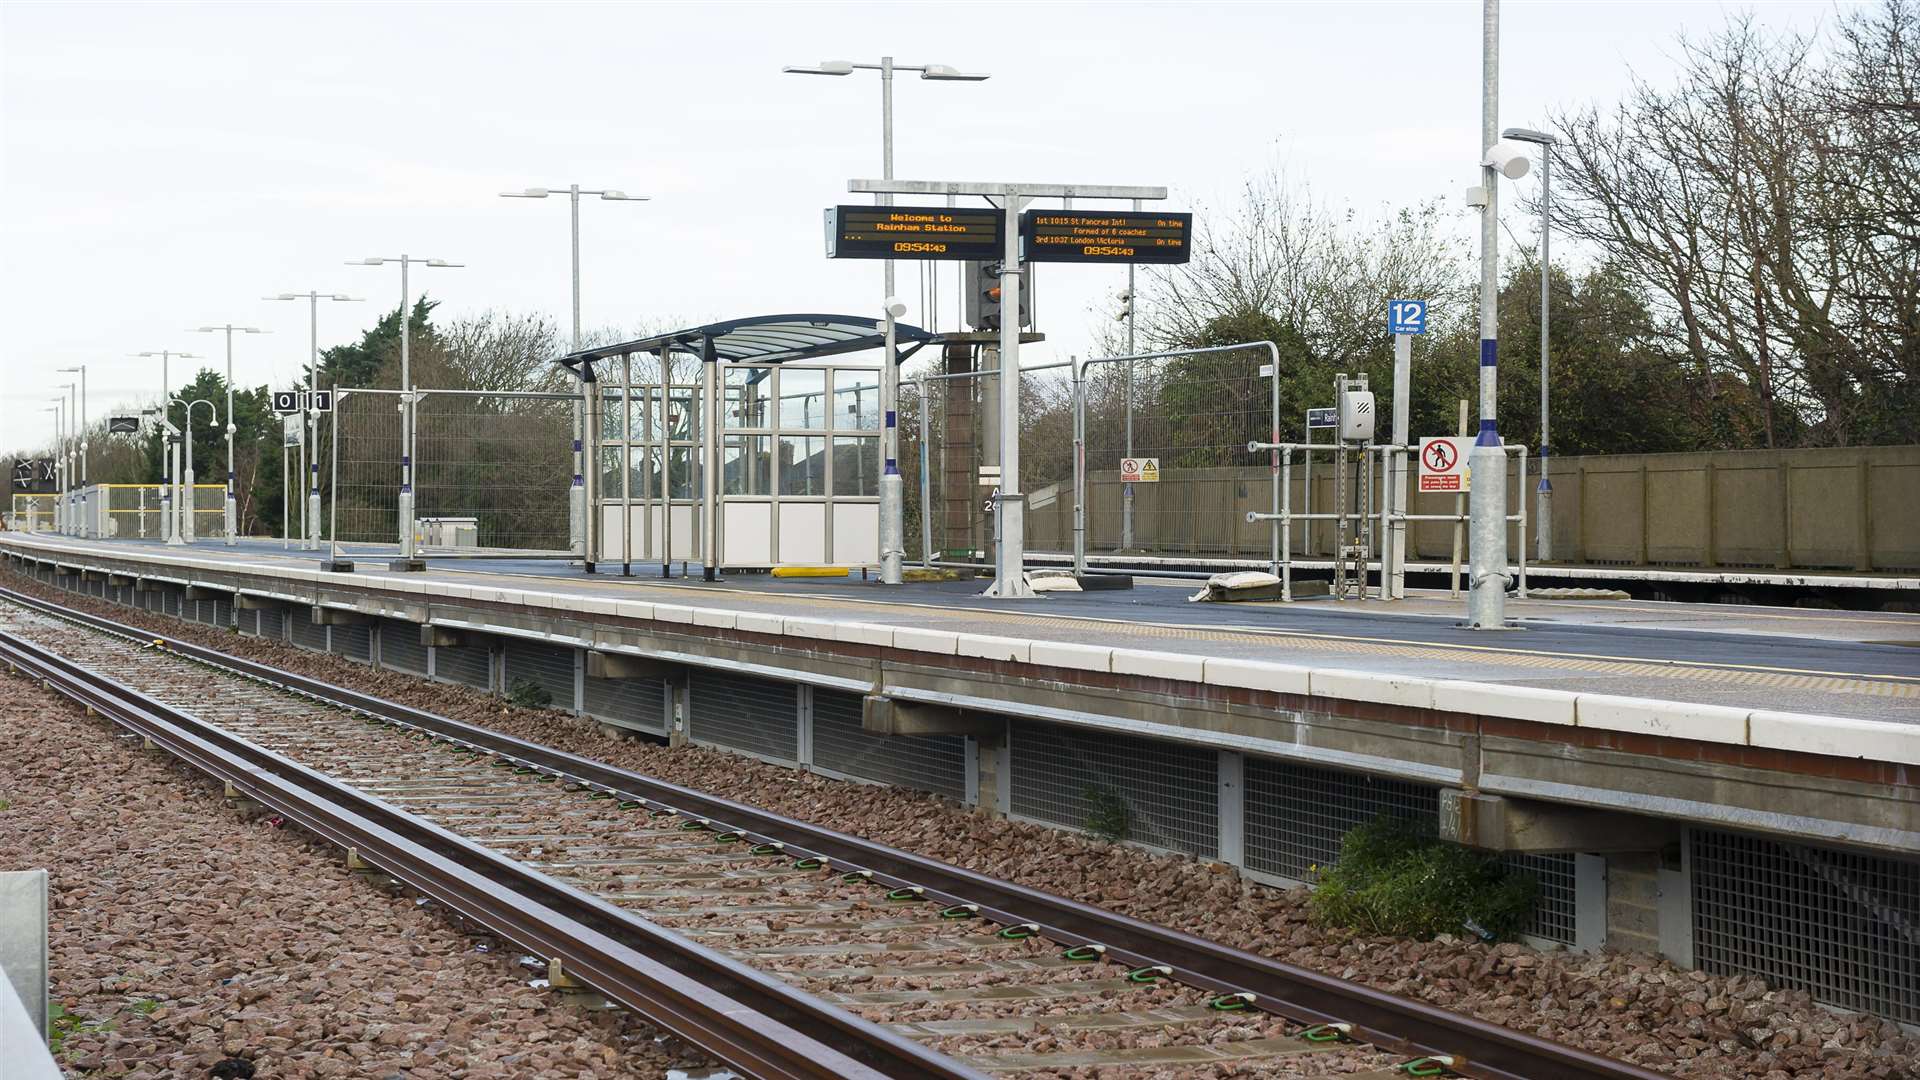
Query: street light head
[(340, 296), (1510, 158), (1529, 135), (442, 262), (944, 73), (525, 193), (621, 196), (826, 67), (366, 262)]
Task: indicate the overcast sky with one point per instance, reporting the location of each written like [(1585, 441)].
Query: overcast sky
[(163, 166)]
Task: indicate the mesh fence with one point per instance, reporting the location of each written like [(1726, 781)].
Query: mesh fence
[(363, 477), (1194, 415), (503, 460), (949, 514)]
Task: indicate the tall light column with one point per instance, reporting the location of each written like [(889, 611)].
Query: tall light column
[(230, 513), (1487, 503), (407, 560), (81, 370), (310, 445), (68, 402), (59, 411), (169, 437), (1543, 499), (55, 410), (577, 497), (892, 487)]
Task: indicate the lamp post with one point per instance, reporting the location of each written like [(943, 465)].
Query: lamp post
[(1487, 502), (892, 488), (1543, 498), (67, 441), (59, 411), (407, 561), (577, 497), (229, 513), (55, 410), (310, 508), (169, 442), (81, 370), (186, 503)]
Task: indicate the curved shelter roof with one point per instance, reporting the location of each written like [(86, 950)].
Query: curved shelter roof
[(768, 339)]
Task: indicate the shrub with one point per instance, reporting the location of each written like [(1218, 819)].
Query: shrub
[(1108, 815), (529, 694), (1392, 879)]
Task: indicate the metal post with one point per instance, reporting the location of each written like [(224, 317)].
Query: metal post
[(333, 483), (184, 505), (892, 487), (1126, 486), (310, 449), (1080, 469), (1544, 529), (1306, 484), (709, 472), (577, 494), (1394, 582), (626, 464), (406, 423), (230, 508), (1286, 523), (1487, 503), (926, 479), (1010, 520)]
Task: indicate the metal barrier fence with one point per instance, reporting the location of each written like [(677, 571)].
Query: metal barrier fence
[(503, 460), (31, 513), (492, 470), (134, 511)]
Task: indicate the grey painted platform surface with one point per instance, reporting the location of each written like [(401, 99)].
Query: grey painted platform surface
[(1863, 665)]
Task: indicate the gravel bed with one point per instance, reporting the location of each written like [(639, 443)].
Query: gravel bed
[(183, 934), (1634, 1006)]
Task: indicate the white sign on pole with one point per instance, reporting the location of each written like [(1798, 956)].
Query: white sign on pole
[(1443, 464), (292, 431), (1144, 470)]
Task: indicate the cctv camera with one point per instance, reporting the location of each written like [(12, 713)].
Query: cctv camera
[(1508, 157)]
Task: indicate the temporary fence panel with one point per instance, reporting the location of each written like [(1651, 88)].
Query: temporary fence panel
[(503, 460), (361, 476)]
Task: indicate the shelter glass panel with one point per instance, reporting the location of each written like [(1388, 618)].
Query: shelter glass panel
[(685, 463), (856, 400), (803, 399), (644, 427), (803, 465), (683, 414), (612, 417), (748, 465), (856, 465), (749, 397)]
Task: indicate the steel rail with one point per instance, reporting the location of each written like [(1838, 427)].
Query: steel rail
[(748, 1019), (1483, 1049)]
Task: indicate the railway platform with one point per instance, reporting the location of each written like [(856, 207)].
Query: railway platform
[(1656, 764)]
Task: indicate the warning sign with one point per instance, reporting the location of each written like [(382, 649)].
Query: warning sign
[(1143, 470), (1443, 464)]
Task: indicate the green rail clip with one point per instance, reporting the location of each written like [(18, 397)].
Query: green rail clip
[(1325, 1033), (808, 863), (1231, 1002), (730, 837), (960, 911), (631, 804), (911, 892), (1149, 974), (1084, 952), (689, 826), (1018, 933), (601, 795), (766, 849), (1427, 1066)]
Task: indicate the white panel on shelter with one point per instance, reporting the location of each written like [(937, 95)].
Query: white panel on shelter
[(856, 534), (803, 534), (749, 533)]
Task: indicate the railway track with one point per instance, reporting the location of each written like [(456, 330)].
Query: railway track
[(781, 948)]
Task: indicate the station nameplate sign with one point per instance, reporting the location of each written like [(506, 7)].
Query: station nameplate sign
[(1106, 236), (913, 232)]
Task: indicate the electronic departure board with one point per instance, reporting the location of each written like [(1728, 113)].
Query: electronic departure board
[(1106, 236), (913, 232)]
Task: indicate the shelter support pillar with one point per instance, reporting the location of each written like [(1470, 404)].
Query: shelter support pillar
[(710, 467)]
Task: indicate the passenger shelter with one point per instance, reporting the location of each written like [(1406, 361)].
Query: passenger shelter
[(798, 443)]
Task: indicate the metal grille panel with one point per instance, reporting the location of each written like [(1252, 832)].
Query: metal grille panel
[(550, 667), (272, 622), (1172, 792), (466, 664), (639, 703), (353, 642), (173, 599), (1841, 925), (1553, 909), (936, 763), (744, 713), (249, 622), (400, 647), (306, 633), (1297, 814), (223, 613)]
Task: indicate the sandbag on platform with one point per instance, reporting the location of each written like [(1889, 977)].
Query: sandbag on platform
[(1240, 585)]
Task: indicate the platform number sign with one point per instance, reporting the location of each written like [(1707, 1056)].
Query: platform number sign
[(1406, 316), (286, 401), (293, 401)]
